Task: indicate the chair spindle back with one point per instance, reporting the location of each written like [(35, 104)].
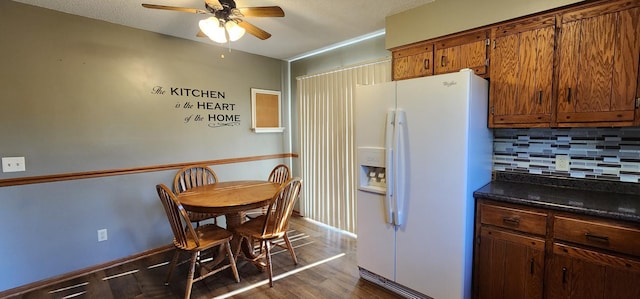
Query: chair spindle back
[(280, 209), (178, 218), (193, 176), (280, 174)]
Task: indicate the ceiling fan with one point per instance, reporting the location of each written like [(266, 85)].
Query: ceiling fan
[(226, 22)]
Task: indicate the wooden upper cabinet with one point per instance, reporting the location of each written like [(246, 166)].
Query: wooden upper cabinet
[(413, 61), (576, 66), (599, 49), (468, 50), (521, 73)]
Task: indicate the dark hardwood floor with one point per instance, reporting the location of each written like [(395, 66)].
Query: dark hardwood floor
[(326, 269)]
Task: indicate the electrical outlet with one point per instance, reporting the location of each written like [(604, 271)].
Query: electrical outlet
[(102, 235), (13, 164), (562, 163)]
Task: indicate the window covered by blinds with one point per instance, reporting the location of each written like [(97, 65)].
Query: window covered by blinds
[(326, 136)]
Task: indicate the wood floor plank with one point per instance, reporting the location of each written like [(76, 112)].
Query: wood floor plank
[(336, 277)]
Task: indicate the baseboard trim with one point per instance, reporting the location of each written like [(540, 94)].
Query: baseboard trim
[(82, 272)]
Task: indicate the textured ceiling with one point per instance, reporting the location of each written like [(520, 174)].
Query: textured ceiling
[(308, 25)]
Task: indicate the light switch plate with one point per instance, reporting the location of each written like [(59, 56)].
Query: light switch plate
[(13, 164), (562, 163)]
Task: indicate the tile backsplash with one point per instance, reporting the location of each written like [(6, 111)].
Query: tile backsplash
[(611, 154)]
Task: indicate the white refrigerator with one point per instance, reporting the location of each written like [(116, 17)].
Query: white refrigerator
[(423, 147)]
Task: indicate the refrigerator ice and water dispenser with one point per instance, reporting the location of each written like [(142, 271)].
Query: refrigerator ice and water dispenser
[(372, 169)]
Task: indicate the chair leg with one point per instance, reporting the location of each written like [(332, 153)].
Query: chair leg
[(290, 248), (192, 270), (253, 247), (174, 261), (232, 261), (269, 270), (237, 253)]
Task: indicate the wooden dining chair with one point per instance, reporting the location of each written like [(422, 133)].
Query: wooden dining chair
[(279, 174), (194, 176), (273, 225), (194, 240)]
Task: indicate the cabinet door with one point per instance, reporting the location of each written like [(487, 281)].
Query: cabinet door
[(416, 61), (521, 74), (599, 49), (584, 274), (465, 51), (510, 265)]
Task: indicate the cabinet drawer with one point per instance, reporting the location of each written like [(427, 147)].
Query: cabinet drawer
[(598, 234), (516, 219)]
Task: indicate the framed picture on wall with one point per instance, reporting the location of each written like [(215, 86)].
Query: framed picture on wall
[(266, 111)]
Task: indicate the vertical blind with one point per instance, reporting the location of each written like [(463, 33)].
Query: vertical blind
[(326, 136)]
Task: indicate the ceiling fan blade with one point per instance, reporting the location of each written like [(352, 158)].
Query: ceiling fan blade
[(183, 9), (201, 34), (213, 2), (253, 30), (264, 11)]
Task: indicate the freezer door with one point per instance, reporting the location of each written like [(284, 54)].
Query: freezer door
[(376, 239), (372, 102)]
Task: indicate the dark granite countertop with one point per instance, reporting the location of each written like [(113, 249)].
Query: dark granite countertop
[(613, 200)]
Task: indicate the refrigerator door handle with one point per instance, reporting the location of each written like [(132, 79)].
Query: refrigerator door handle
[(399, 163), (390, 175)]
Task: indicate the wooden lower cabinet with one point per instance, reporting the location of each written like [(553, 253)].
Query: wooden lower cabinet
[(510, 265), (526, 252), (585, 274)]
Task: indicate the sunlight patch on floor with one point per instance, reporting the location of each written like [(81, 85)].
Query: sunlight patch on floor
[(69, 288), (74, 295), (158, 265), (283, 275), (121, 274)]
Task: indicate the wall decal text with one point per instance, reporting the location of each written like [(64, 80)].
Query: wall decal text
[(214, 114)]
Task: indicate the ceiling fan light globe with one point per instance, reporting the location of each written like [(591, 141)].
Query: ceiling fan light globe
[(235, 31), (212, 28)]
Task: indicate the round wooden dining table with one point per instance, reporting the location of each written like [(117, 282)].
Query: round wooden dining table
[(233, 199)]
